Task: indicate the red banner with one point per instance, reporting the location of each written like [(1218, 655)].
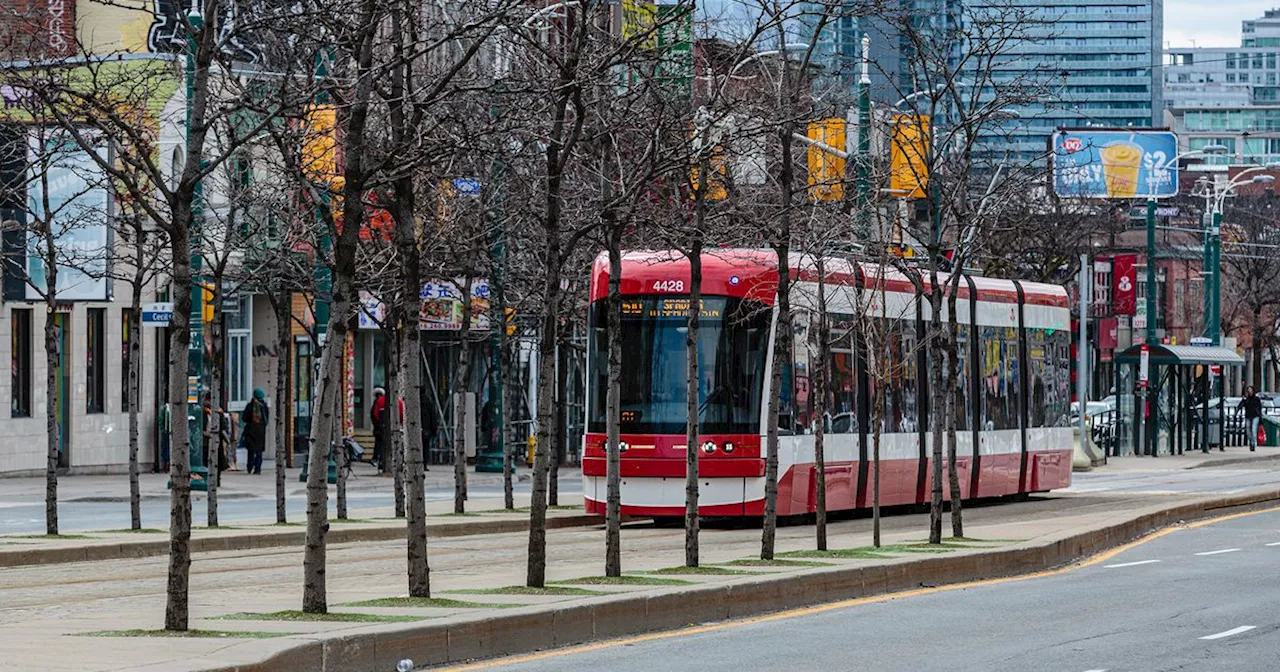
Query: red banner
[(1124, 280)]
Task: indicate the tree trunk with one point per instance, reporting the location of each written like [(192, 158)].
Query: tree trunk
[(135, 384), (213, 431), (877, 420), (536, 574), (410, 380), (781, 348), (462, 385), (953, 383), (937, 409), (613, 468), (339, 447), (693, 401), (176, 604), (53, 430), (320, 442), (1257, 339), (283, 446)]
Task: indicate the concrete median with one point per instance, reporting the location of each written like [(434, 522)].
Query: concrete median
[(526, 629)]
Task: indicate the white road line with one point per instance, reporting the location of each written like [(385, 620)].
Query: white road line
[(1225, 550), (1128, 564), (1274, 544), (1095, 671), (1232, 631)]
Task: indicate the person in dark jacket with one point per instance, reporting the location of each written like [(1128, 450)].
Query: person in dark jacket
[(253, 422), (1252, 405)]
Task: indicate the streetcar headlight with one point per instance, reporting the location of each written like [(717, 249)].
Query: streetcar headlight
[(709, 447), (728, 446), (622, 446)]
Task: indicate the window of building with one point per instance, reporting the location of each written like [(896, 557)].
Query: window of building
[(95, 362), (239, 357), (1231, 61), (1231, 78), (126, 366), (1257, 61), (1271, 61), (20, 355)]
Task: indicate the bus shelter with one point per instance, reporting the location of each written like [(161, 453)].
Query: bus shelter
[(1182, 407)]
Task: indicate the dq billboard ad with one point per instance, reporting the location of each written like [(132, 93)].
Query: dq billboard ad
[(1114, 163)]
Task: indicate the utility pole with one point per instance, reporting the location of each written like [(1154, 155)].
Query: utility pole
[(195, 351), (1082, 354)]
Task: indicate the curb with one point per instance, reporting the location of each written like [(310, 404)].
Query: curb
[(527, 629), (296, 538), (1247, 459)]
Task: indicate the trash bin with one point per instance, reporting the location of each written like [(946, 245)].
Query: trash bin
[(1269, 431), (333, 468)]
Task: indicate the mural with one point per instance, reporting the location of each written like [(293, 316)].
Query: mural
[(153, 27)]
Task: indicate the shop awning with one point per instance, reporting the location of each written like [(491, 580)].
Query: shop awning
[(1181, 355)]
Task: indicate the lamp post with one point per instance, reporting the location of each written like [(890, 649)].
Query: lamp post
[(864, 142), (1217, 195)]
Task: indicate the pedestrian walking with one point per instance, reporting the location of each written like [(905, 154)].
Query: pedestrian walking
[(378, 416), (253, 430), (1252, 405)]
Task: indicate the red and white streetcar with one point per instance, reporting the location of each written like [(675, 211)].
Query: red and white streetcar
[(1013, 436)]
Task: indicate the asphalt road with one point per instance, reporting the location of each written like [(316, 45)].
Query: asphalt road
[(1204, 598), (26, 515)]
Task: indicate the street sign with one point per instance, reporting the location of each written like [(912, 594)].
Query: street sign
[(157, 314), (1215, 369), (1144, 366), (1114, 163), (372, 312), (1202, 342), (468, 187)]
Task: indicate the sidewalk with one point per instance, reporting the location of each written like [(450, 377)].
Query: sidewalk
[(235, 484), (1194, 459), (52, 616)]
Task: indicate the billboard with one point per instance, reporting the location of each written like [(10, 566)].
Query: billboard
[(77, 210), (441, 307), (1114, 163), (909, 156)]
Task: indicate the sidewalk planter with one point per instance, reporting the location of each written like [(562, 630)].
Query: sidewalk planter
[(1269, 431)]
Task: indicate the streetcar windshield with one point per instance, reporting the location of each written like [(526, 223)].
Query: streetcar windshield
[(732, 340)]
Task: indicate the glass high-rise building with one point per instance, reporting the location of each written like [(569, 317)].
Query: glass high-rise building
[(1074, 63)]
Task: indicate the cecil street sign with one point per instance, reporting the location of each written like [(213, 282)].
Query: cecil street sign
[(157, 314)]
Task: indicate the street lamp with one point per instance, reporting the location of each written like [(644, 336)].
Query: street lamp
[(1216, 194)]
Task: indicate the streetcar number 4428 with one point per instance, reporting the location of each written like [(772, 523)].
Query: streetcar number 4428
[(668, 286)]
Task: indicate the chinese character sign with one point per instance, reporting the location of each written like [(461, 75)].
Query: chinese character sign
[(441, 307), (1114, 164)]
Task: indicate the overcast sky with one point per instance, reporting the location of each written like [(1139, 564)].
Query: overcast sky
[(1209, 23)]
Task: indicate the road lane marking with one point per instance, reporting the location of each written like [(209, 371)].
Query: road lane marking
[(1219, 552), (1277, 543), (833, 606), (1129, 564), (1232, 631), (1103, 670)]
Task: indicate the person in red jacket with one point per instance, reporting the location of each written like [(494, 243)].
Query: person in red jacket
[(381, 426)]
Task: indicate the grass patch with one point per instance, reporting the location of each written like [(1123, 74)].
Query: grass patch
[(960, 542), (776, 562), (526, 590), (145, 530), (351, 520), (432, 602), (710, 570), (468, 514), (53, 536), (626, 580), (837, 553), (331, 617), (566, 507), (197, 634), (288, 524)]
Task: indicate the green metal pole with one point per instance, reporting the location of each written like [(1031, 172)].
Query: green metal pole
[(195, 350), (1215, 269), (864, 142), (492, 460), (1205, 264), (1154, 375), (323, 278)]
